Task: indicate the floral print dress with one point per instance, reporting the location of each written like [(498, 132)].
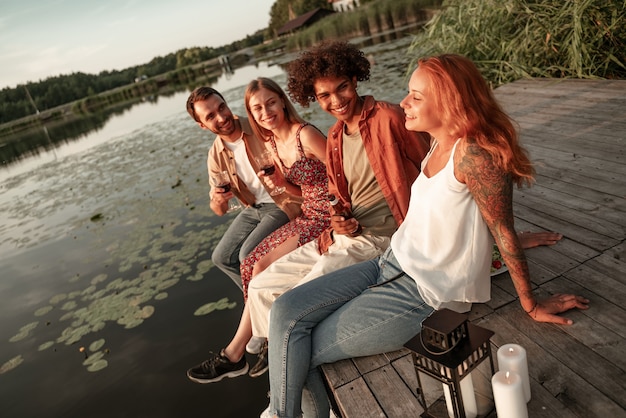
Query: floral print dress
[(311, 176)]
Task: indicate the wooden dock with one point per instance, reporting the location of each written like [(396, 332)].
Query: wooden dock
[(575, 131)]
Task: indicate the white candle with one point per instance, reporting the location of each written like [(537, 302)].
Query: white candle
[(469, 399), (512, 357), (508, 395)]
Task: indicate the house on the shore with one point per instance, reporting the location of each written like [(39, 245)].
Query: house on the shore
[(344, 5), (303, 21)]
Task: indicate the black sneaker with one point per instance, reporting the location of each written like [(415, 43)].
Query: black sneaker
[(261, 365), (216, 368)]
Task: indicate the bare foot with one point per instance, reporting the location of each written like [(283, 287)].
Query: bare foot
[(535, 239)]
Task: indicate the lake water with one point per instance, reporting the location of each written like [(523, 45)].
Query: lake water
[(108, 292)]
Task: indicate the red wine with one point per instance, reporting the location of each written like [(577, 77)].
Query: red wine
[(269, 169), (225, 187)]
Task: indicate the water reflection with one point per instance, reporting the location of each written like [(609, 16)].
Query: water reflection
[(49, 136), (41, 144)]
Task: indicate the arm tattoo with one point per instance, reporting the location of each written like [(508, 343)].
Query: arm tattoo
[(492, 189)]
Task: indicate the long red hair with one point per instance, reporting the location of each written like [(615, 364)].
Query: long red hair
[(466, 103)]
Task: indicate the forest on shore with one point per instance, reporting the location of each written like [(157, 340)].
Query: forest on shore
[(508, 40)]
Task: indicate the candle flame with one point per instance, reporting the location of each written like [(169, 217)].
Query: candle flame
[(511, 349), (507, 375)]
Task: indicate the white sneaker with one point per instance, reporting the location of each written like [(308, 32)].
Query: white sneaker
[(255, 345), (266, 413)]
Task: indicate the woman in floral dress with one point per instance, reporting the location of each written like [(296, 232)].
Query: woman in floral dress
[(299, 151)]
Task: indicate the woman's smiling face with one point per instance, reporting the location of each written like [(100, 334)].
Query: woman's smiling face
[(267, 109), (421, 114)]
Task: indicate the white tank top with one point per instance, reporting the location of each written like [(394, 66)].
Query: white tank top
[(246, 173), (444, 243)]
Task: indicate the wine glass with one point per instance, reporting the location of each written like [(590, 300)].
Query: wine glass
[(222, 180), (266, 162)]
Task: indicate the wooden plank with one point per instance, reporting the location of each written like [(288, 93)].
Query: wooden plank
[(369, 363), (591, 370), (502, 291), (553, 222), (551, 259), (618, 252), (608, 287), (573, 250), (539, 89), (565, 246), (547, 371), (339, 373), (480, 310), (575, 131), (395, 355), (572, 215), (406, 370), (601, 328), (601, 181), (594, 208), (355, 400), (573, 120), (394, 396), (542, 154), (610, 265)]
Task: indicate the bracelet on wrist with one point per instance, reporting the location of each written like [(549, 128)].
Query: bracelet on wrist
[(531, 310)]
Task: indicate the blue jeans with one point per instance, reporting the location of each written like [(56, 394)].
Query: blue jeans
[(248, 228), (365, 309)]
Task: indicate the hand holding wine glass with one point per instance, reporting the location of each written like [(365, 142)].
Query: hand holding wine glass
[(221, 180), (267, 164)]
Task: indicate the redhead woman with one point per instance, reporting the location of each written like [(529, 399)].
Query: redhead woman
[(465, 194)]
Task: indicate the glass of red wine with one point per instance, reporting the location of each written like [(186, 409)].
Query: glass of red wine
[(266, 162), (222, 180)]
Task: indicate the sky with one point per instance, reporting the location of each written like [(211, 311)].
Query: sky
[(43, 38)]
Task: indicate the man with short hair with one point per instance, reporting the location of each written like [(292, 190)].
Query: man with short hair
[(233, 151)]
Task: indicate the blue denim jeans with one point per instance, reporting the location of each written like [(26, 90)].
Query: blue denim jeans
[(368, 308), (248, 228)]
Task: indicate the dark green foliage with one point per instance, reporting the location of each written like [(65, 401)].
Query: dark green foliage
[(59, 90)]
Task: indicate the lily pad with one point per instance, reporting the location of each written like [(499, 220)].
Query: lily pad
[(98, 365), (11, 364), (43, 310), (46, 345), (96, 345)]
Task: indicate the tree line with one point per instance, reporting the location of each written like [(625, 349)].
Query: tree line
[(27, 99)]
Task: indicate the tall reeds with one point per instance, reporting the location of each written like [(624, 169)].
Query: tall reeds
[(512, 39), (373, 17)]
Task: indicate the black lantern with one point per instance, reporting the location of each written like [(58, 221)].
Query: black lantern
[(448, 348)]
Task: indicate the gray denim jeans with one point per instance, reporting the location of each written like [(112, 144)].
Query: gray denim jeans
[(246, 231)]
